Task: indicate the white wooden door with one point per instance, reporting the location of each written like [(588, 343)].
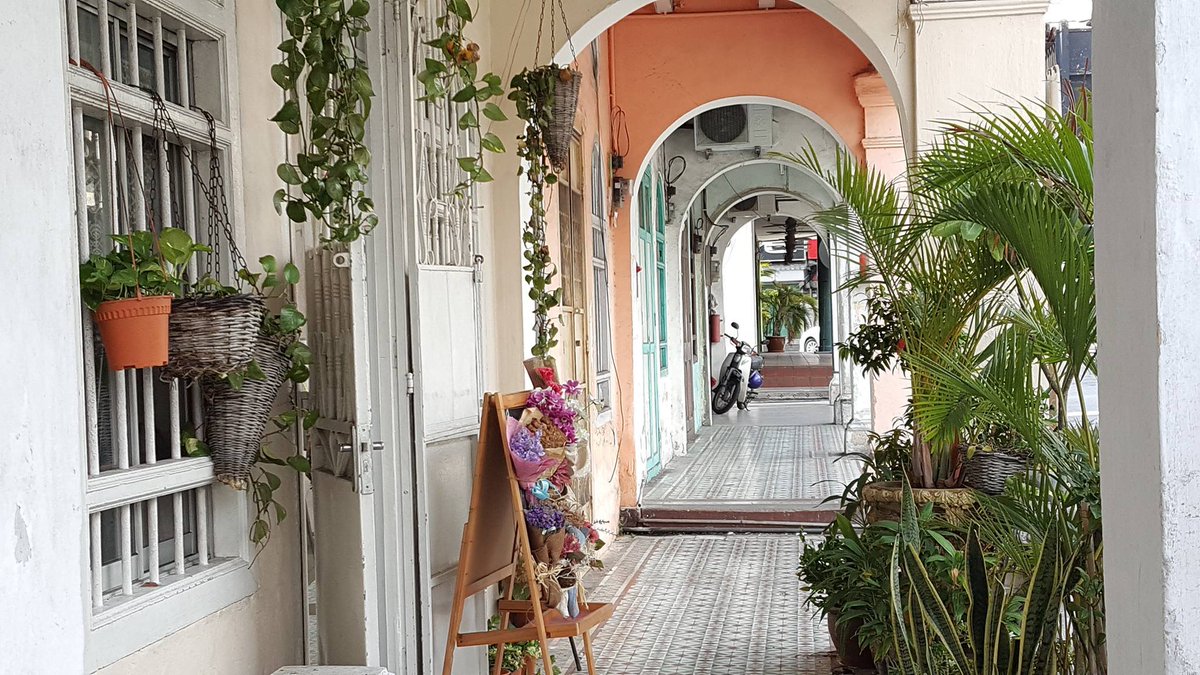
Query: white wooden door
[(344, 456), (367, 513), (445, 289)]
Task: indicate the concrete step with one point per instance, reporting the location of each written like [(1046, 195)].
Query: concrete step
[(677, 518), (794, 393)]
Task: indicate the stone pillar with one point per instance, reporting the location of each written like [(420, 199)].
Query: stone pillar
[(43, 559), (1147, 247), (972, 53)]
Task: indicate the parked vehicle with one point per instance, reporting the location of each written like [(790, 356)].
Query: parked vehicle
[(740, 377)]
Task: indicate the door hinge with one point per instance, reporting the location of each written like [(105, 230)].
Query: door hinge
[(410, 384)]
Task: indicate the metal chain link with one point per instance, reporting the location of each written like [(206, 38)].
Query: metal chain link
[(219, 224)]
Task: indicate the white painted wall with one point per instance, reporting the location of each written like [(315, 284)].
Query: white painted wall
[(735, 292), (43, 553), (973, 53), (1147, 245)]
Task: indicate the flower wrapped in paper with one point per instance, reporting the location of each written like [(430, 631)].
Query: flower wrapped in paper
[(529, 458)]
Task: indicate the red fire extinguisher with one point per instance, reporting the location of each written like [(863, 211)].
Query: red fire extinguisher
[(714, 327)]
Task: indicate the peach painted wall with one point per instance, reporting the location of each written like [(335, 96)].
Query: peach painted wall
[(665, 67)]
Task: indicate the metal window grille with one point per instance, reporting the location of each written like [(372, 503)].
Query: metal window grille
[(151, 509), (448, 223), (570, 228), (601, 316)]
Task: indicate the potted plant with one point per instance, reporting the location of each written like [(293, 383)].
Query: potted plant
[(237, 407), (832, 575), (787, 312), (996, 454), (519, 658), (129, 291)]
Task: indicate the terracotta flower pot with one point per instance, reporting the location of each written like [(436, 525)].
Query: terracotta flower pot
[(776, 344), (134, 331), (845, 641), (883, 501)]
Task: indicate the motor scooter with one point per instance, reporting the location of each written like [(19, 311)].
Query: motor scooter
[(740, 377)]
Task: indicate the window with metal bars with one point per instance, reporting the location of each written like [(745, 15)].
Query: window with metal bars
[(156, 523), (601, 313), (570, 228)]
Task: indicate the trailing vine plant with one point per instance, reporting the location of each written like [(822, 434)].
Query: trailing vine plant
[(533, 94), (329, 94), (454, 76)]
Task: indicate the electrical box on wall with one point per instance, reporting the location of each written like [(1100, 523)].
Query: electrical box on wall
[(714, 271)]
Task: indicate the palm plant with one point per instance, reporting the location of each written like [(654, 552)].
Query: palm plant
[(993, 232), (1025, 186), (786, 310)]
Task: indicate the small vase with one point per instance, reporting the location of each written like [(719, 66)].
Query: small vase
[(134, 331)]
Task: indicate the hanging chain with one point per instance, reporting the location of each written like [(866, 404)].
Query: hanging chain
[(562, 15), (220, 227)]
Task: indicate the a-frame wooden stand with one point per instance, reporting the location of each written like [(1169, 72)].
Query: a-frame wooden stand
[(495, 546)]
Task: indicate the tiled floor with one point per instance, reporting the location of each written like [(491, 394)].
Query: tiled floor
[(756, 461), (704, 605)]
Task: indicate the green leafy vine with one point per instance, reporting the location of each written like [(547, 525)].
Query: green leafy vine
[(329, 94), (533, 94), (454, 76)]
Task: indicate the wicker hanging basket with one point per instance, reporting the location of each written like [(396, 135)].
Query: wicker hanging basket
[(562, 125), (988, 472), (234, 420), (213, 336)]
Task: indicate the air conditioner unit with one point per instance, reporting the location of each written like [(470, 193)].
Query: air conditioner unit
[(735, 127)]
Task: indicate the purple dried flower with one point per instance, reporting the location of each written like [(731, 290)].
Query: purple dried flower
[(526, 445), (545, 518), (555, 408), (572, 388)]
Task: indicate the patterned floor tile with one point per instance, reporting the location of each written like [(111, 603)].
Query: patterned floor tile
[(705, 605), (757, 464)]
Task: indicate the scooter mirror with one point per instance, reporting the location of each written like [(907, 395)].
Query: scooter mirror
[(734, 324)]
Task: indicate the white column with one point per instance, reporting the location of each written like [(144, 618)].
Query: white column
[(1147, 246), (43, 521), (975, 52)]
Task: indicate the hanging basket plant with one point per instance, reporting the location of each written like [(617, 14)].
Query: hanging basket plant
[(237, 407), (130, 292), (565, 101), (533, 93), (213, 329)]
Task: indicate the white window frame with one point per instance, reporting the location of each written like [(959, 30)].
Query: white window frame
[(603, 311), (217, 575)]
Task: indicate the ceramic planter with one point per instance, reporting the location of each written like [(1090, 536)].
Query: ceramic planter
[(134, 331), (883, 501), (776, 344)]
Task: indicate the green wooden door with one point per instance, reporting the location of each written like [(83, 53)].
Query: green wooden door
[(648, 290)]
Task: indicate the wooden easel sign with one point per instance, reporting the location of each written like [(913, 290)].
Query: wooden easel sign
[(496, 548)]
